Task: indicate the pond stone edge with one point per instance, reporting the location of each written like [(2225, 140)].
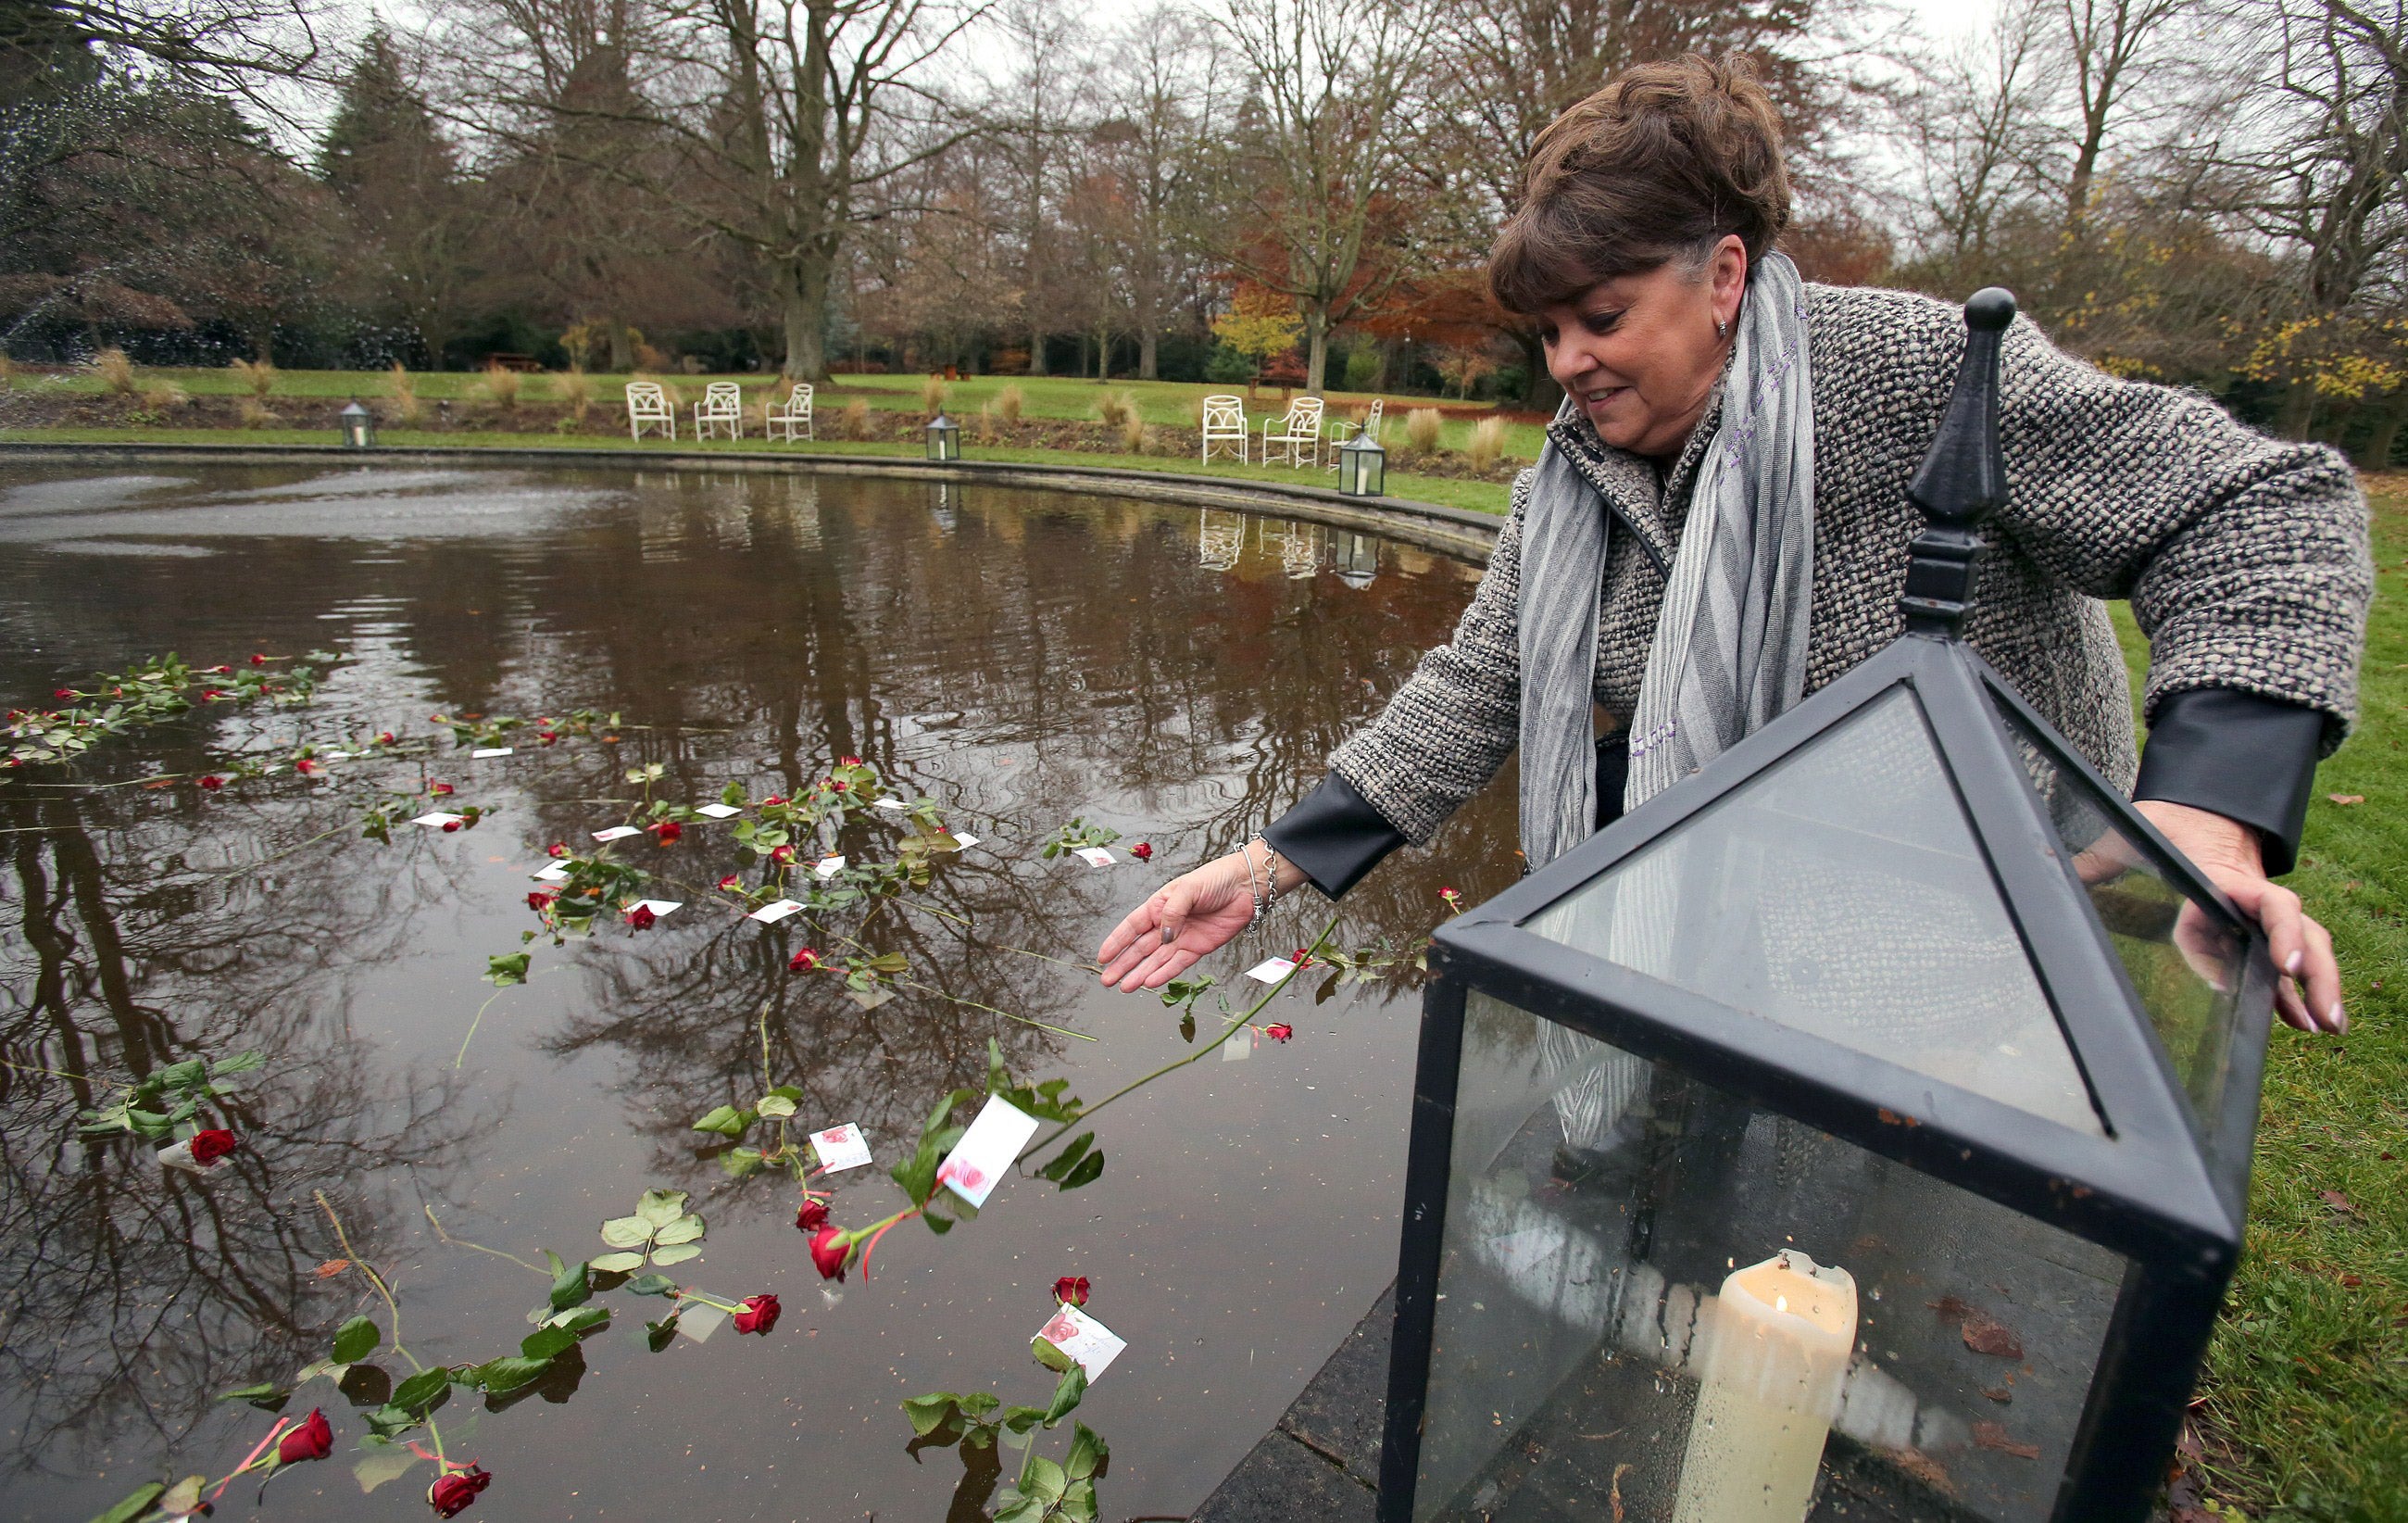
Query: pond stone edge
[(1455, 531)]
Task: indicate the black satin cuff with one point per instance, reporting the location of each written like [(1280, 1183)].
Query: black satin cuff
[(2246, 758), (1334, 835)]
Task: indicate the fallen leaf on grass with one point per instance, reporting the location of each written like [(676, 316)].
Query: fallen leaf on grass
[(2351, 1281), (1994, 1436), (2347, 798), (2338, 1201)]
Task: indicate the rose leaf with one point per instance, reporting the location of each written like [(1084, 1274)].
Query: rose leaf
[(626, 1232), (676, 1254), (619, 1263), (355, 1339)]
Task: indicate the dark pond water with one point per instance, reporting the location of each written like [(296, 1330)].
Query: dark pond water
[(1018, 658)]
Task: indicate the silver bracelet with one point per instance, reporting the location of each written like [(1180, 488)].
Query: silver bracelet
[(1246, 850), (1271, 875)]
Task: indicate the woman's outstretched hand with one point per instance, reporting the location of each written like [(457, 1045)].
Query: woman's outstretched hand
[(2308, 993), (1189, 917)]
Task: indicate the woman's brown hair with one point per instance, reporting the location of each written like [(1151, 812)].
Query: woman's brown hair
[(1666, 159)]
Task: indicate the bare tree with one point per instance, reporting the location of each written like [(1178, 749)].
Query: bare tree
[(1977, 127), (2108, 45), (1161, 99)]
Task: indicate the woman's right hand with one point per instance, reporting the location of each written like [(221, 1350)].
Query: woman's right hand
[(1189, 917)]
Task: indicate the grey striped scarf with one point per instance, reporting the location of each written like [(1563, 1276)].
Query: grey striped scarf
[(1730, 653)]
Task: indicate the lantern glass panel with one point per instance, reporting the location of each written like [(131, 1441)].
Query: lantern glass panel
[(1841, 892), (1597, 1204), (2186, 958)]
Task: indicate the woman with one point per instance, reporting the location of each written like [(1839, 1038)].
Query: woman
[(1726, 421)]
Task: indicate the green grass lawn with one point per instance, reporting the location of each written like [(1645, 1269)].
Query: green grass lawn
[(1446, 490), (1043, 396)]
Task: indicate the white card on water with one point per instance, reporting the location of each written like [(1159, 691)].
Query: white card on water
[(888, 803), (840, 1148), (717, 811), (658, 907), (769, 914), (1084, 1338), (829, 867), (1094, 856), (490, 750), (1240, 1047), (438, 820), (986, 1153), (964, 840), (553, 873), (1270, 970), (698, 1320), (617, 832)]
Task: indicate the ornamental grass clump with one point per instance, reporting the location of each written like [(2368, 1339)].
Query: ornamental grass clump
[(986, 429), (932, 396), (499, 386), (577, 390), (1421, 430), (255, 414), (1008, 403), (115, 372), (855, 419), (401, 395), (259, 375), (159, 395), (1133, 435), (1488, 443), (1116, 410)]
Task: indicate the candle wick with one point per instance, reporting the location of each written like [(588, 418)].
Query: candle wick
[(1781, 1303)]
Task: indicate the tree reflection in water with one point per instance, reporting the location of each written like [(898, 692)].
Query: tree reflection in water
[(1018, 658)]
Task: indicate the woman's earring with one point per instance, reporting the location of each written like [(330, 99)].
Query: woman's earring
[(1722, 327)]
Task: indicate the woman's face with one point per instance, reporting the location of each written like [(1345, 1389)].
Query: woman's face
[(1640, 353)]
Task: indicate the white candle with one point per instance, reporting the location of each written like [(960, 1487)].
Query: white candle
[(1776, 1359)]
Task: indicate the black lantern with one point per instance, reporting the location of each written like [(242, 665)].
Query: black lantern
[(1861, 1125), (359, 427), (1362, 466), (944, 439), (1357, 557)]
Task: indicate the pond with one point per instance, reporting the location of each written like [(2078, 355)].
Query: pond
[(1016, 660)]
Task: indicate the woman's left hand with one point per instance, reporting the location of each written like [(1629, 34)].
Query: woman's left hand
[(2226, 853)]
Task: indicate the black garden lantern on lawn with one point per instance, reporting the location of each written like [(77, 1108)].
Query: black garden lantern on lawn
[(1858, 1129), (1362, 466), (944, 439), (359, 427)]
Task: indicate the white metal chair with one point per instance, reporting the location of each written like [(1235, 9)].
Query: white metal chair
[(1341, 431), (793, 413), (722, 406), (1224, 424), (648, 407), (1299, 434)]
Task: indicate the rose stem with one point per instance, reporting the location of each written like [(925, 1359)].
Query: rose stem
[(392, 1309), (463, 1242)]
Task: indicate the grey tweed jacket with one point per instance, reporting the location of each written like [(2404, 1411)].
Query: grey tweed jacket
[(2245, 558)]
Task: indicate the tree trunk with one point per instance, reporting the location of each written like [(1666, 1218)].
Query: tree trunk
[(1539, 393), (1149, 346), (804, 306), (1035, 352), (1316, 348), (623, 349), (2299, 406), (2376, 455)]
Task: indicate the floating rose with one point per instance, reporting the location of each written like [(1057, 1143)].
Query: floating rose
[(540, 901), (308, 768), (558, 849), (209, 695), (803, 961), (668, 832), (221, 672), (813, 1216), (732, 884), (548, 737), (311, 1438), (212, 1143), (840, 787), (1142, 851), (385, 737), (67, 692), (1280, 1032), (257, 659), (759, 1315), (451, 826), (213, 783), (772, 801), (642, 917), (830, 1248), (849, 761), (1071, 1290), (782, 855), (440, 789), (453, 1491)]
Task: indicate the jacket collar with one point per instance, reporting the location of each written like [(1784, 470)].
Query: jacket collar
[(1652, 506)]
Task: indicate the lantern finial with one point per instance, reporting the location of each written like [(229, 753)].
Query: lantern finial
[(1962, 479)]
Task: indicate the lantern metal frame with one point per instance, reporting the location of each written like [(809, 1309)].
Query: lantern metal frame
[(1362, 466), (2164, 1185), (944, 439), (359, 426)]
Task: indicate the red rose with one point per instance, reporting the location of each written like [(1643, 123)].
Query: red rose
[(439, 789), (849, 761), (453, 1491), (829, 1250), (450, 826), (213, 783), (1280, 1032), (772, 800), (837, 787), (540, 901), (667, 830), (222, 671), (258, 660), (311, 1438), (642, 917), (384, 738), (1142, 851), (782, 855), (813, 1216), (64, 693), (559, 848), (732, 884), (1071, 1290), (759, 1315), (803, 961), (308, 768), (212, 694), (211, 1144)]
